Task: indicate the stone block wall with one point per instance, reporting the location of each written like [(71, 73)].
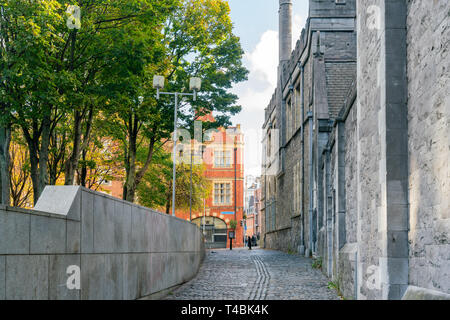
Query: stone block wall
[(428, 34), (345, 221), (123, 251), (397, 152), (368, 149), (347, 267), (381, 189), (351, 195)]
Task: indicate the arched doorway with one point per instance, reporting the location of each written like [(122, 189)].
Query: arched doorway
[(215, 231)]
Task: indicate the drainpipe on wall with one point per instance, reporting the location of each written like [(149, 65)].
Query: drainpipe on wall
[(329, 220), (265, 200), (355, 276), (302, 103), (311, 194)]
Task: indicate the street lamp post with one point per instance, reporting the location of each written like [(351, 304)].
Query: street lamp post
[(194, 85), (235, 168), (190, 189)]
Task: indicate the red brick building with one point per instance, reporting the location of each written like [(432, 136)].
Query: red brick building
[(113, 188), (222, 153)]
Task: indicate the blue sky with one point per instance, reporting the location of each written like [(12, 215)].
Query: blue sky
[(263, 17), (256, 23)]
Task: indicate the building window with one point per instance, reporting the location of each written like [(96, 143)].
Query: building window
[(297, 108), (296, 188), (222, 193), (288, 120), (222, 159)]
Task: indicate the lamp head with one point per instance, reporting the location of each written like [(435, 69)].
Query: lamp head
[(158, 82), (195, 84)]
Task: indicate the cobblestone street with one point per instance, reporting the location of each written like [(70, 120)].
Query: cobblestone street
[(241, 274)]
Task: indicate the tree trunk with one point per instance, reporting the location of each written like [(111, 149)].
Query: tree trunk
[(57, 156), (140, 174), (34, 164), (38, 154), (168, 202), (5, 140), (134, 178), (43, 157), (83, 175), (72, 162), (79, 144), (130, 185)]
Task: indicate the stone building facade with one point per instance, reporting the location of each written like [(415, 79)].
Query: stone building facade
[(252, 206), (357, 147)]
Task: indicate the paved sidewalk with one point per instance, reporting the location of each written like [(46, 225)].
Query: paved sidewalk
[(257, 274)]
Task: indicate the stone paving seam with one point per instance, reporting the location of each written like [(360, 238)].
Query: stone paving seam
[(266, 276), (261, 291), (262, 278), (257, 282), (266, 279)]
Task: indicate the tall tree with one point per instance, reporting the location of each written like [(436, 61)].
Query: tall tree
[(4, 123), (5, 140), (50, 65), (197, 40), (31, 85), (110, 28)]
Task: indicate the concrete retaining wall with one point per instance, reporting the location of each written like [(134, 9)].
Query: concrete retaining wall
[(123, 251)]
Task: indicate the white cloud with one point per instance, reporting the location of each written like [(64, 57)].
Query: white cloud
[(262, 62), (297, 25), (255, 94)]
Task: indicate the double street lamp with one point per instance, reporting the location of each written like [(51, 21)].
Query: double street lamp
[(194, 85)]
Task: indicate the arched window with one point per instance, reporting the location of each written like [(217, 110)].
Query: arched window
[(215, 231)]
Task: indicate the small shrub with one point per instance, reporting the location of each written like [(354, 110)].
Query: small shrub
[(317, 263), (332, 285), (335, 286)]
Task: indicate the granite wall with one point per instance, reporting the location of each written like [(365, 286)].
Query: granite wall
[(118, 249), (428, 44)]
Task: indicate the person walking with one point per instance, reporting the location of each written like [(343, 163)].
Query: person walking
[(249, 243)]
